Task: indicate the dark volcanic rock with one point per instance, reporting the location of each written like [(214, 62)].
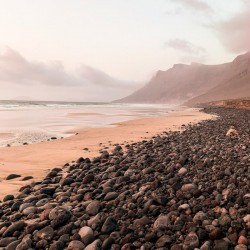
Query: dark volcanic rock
[(109, 225), (93, 208), (48, 190), (46, 233), (12, 176), (13, 245), (191, 241), (76, 244), (8, 197), (27, 178), (58, 245), (6, 241), (88, 178), (110, 196), (67, 181), (59, 216), (17, 226)]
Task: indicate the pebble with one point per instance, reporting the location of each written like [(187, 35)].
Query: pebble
[(221, 245), (182, 171), (109, 225), (206, 246), (110, 196), (176, 191), (13, 245), (17, 226), (240, 247), (86, 234), (188, 187), (58, 245), (9, 197), (93, 208), (76, 244), (29, 210), (46, 233), (243, 240), (199, 217), (13, 176), (6, 241), (161, 222), (96, 245), (191, 241)]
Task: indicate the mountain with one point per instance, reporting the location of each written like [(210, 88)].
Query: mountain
[(196, 83), (236, 86)]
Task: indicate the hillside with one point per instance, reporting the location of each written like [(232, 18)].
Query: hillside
[(196, 83), (236, 103), (235, 87)]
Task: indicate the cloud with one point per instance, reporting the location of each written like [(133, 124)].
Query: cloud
[(100, 78), (15, 68), (235, 32), (184, 46), (193, 59), (51, 81), (195, 5), (189, 52)]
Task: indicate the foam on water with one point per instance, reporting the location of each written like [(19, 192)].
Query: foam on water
[(32, 122)]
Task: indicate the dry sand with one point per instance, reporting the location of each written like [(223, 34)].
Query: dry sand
[(37, 159)]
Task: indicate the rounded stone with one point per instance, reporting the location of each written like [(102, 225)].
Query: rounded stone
[(59, 216), (225, 220), (182, 171), (240, 247), (42, 202), (199, 217), (87, 235), (29, 210), (96, 245), (46, 233), (58, 245), (191, 241), (25, 205), (76, 244), (161, 222), (6, 241), (8, 197), (110, 196), (189, 187), (243, 240), (109, 225), (93, 208), (17, 226)]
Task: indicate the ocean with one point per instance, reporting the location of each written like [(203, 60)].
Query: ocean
[(27, 122)]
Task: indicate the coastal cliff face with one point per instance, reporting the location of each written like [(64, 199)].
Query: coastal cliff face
[(197, 83), (236, 103)]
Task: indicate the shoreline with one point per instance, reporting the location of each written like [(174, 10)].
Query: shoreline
[(183, 190), (34, 124), (37, 159)]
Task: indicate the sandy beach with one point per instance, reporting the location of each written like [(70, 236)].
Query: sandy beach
[(37, 159), (6, 136)]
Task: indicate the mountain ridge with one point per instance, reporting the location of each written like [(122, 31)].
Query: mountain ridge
[(196, 83)]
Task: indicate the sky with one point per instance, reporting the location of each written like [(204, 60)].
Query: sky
[(102, 50)]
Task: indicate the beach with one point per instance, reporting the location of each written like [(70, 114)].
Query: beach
[(37, 159), (184, 189)]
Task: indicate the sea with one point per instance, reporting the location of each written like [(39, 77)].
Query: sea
[(28, 122)]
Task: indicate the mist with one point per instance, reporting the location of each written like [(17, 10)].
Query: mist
[(35, 80)]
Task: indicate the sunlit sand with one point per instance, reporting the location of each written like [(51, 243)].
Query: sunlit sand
[(36, 159)]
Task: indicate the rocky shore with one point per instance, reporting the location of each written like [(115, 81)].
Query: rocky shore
[(185, 190)]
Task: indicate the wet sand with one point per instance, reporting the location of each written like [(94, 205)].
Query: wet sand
[(37, 159), (6, 136)]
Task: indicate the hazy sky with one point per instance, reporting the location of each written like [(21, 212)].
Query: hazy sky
[(104, 49)]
